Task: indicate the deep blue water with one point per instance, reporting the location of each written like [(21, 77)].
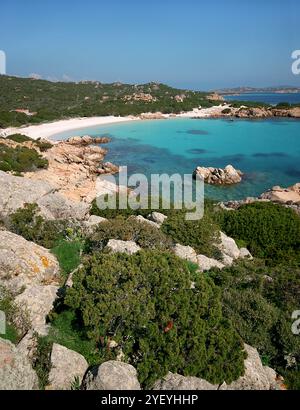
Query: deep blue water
[(267, 151), (270, 98)]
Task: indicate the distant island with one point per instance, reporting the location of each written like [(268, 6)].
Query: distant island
[(249, 90)]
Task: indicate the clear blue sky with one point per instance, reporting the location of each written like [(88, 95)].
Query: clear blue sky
[(199, 44)]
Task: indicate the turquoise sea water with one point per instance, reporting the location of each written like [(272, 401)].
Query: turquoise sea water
[(267, 151)]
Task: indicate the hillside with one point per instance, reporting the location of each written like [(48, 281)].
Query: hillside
[(49, 101)]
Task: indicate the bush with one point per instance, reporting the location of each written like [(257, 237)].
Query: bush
[(42, 360), (142, 233), (271, 231), (146, 304), (20, 159), (68, 255), (29, 224), (19, 138), (202, 235)]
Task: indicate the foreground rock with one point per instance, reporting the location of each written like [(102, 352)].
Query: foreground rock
[(37, 301), (157, 217), (185, 252), (88, 140), (67, 367), (177, 382), (129, 247), (256, 377), (17, 191), (206, 263), (218, 176), (228, 246), (16, 372), (112, 375), (141, 219), (23, 263)]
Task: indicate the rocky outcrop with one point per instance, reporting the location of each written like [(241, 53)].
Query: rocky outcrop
[(218, 176), (74, 166), (91, 224), (16, 372), (157, 217), (17, 191), (185, 252), (289, 195), (228, 246), (177, 382), (129, 247), (256, 376), (67, 367), (88, 140), (37, 301), (206, 263), (23, 263), (112, 375), (141, 219)]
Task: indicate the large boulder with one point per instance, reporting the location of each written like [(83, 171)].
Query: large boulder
[(67, 367), (38, 301), (206, 263), (218, 176), (256, 376), (185, 252), (16, 372), (228, 246), (177, 382), (129, 247), (112, 375), (17, 191), (24, 263)]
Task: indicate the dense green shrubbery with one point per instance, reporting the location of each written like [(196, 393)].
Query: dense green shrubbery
[(33, 227), (142, 233), (20, 159), (270, 231), (259, 301), (202, 234), (146, 304), (42, 360)]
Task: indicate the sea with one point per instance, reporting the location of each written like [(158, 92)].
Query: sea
[(267, 151)]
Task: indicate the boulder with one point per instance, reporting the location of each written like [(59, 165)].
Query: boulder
[(38, 301), (206, 263), (24, 263), (17, 191), (244, 253), (16, 372), (283, 195), (141, 219), (67, 367), (112, 375), (185, 252), (129, 247), (255, 376), (91, 224), (177, 382), (218, 176), (157, 217), (228, 246)]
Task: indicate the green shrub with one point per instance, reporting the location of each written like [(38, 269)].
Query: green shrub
[(42, 360), (29, 224), (142, 233), (271, 231), (19, 138), (146, 304), (20, 159), (202, 235)]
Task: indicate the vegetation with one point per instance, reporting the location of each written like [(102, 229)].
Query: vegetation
[(145, 303), (42, 360), (270, 231), (59, 100), (20, 159), (68, 255)]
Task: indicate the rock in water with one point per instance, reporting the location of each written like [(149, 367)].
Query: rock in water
[(112, 375), (218, 176)]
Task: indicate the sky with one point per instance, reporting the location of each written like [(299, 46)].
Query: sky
[(197, 44)]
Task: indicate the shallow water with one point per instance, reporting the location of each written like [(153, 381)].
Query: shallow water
[(267, 151)]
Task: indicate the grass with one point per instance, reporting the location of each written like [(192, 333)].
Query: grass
[(66, 331), (68, 255)]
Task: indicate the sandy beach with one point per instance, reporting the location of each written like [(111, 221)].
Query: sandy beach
[(47, 130)]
